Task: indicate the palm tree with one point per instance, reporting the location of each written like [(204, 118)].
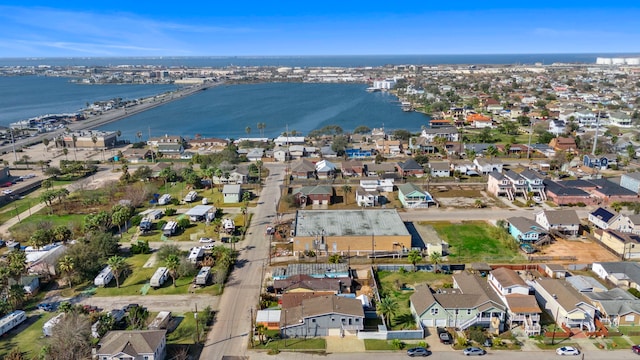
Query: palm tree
[(346, 189), (118, 265), (94, 140), (387, 307), (247, 130), (65, 151), (435, 258), (172, 262), (67, 265), (25, 159), (46, 144), (139, 136), (41, 163), (414, 257), (74, 138), (261, 329)]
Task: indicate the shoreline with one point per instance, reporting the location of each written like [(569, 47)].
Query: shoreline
[(114, 115)]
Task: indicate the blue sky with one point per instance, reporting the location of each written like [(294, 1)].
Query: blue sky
[(226, 28)]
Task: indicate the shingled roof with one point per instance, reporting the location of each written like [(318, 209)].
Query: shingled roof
[(131, 342)]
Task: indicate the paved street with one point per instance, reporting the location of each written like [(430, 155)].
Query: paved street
[(229, 335)]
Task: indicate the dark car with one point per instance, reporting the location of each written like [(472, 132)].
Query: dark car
[(418, 351), (130, 306), (636, 349), (47, 306), (444, 336)]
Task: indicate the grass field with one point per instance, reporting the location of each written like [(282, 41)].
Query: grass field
[(294, 344), (374, 344), (27, 336), (185, 333), (472, 241), (43, 215)]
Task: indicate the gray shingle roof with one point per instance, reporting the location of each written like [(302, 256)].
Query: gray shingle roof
[(131, 342)]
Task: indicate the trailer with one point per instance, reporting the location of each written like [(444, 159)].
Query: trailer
[(10, 321), (228, 225), (153, 214), (161, 321), (170, 228), (164, 199), (203, 276), (104, 278), (47, 328), (195, 254), (191, 196), (145, 224), (159, 277)]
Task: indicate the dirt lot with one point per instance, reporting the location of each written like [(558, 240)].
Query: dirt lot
[(585, 251)]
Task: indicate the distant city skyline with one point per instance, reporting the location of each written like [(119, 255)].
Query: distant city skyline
[(121, 28)]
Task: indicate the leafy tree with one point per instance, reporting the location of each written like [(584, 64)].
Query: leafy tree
[(387, 307), (119, 216), (62, 233), (172, 262), (142, 173), (485, 136), (545, 137), (184, 223), (16, 296), (362, 129), (137, 317), (40, 238), (72, 338), (339, 144), (401, 134), (67, 266), (100, 222), (118, 266), (335, 259), (414, 256)]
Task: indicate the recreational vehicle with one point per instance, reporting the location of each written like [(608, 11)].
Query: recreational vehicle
[(145, 224), (104, 278), (161, 321), (170, 228), (196, 254), (228, 225), (203, 276), (12, 320), (47, 328), (159, 277), (164, 199), (153, 214), (191, 196)]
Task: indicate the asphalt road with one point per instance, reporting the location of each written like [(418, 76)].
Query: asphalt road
[(230, 333)]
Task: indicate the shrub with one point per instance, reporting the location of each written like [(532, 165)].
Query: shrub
[(141, 247), (135, 220), (160, 224), (184, 223), (174, 201), (635, 292), (476, 334), (170, 211), (397, 344)]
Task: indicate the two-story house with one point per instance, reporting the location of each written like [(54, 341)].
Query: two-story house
[(499, 185), (522, 308), (525, 230), (535, 183), (486, 166), (518, 183), (564, 303), (564, 221), (132, 344), (412, 196), (450, 133), (410, 167), (440, 169)]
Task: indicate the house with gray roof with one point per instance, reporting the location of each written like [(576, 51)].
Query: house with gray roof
[(631, 181), (522, 308), (534, 182), (232, 193), (525, 230), (564, 303), (413, 197), (585, 284), (313, 195), (323, 316), (132, 344), (471, 302), (617, 307), (625, 274), (564, 221)]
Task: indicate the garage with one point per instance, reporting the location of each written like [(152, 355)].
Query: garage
[(428, 323), (335, 332), (441, 322)]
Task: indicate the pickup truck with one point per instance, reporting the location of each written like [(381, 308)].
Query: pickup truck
[(444, 336)]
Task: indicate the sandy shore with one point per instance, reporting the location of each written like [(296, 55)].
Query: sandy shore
[(114, 115)]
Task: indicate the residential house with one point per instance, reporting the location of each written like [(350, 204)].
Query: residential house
[(563, 221), (625, 245), (389, 147), (366, 198), (600, 162), (281, 154), (374, 184), (325, 169), (450, 133), (208, 144), (413, 197), (170, 150), (499, 185), (439, 169), (298, 151), (306, 283), (620, 119), (486, 166), (270, 318), (327, 152), (631, 181), (625, 274), (554, 271), (535, 183), (358, 153), (135, 156), (232, 193), (603, 218), (352, 168), (518, 183), (471, 302), (567, 144), (557, 127), (132, 344), (438, 123), (522, 308), (289, 140), (295, 298), (410, 168), (255, 154), (525, 230), (385, 169), (323, 316), (464, 167), (479, 121), (564, 303), (155, 141), (617, 307), (608, 192), (313, 195), (30, 283), (585, 284), (564, 195), (85, 139), (237, 176), (303, 169)]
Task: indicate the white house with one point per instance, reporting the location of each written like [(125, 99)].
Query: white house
[(384, 185), (564, 221), (486, 166), (366, 198), (440, 168)]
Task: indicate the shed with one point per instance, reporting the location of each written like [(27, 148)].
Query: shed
[(231, 193), (269, 318)]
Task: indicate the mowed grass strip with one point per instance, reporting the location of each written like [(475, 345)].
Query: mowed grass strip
[(28, 336), (471, 241)]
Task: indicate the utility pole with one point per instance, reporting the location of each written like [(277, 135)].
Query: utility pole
[(195, 316)]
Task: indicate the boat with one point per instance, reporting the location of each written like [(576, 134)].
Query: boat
[(373, 89), (406, 106)]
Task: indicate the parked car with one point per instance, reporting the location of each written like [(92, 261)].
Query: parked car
[(444, 336), (636, 349), (208, 246), (7, 191), (474, 351), (418, 351), (205, 240), (567, 350), (48, 306)]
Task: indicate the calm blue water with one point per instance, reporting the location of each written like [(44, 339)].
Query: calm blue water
[(226, 111), (24, 97), (306, 61)]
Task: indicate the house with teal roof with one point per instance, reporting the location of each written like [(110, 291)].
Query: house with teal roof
[(413, 197)]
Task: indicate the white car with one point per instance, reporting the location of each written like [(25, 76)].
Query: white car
[(205, 240), (208, 246), (567, 350), (7, 191)]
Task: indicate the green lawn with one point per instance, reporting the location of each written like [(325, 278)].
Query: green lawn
[(17, 207), (27, 336), (373, 344), (43, 215), (294, 344), (185, 333), (472, 241)]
